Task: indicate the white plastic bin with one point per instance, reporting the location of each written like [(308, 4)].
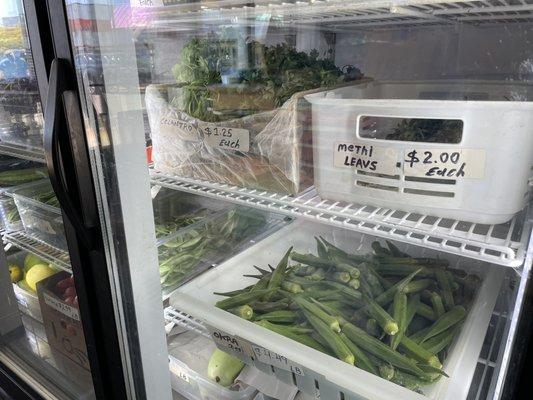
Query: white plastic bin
[(495, 145), (332, 376)]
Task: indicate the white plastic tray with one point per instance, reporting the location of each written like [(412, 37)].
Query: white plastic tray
[(333, 377)]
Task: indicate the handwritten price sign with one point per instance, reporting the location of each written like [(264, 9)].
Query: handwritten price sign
[(444, 163), (272, 358)]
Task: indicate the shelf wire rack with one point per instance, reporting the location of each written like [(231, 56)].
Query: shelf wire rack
[(503, 244), (341, 13), (53, 255)]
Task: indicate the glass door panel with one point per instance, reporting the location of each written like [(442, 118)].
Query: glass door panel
[(304, 158), (41, 336)]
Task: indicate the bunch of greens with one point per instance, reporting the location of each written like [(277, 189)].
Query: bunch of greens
[(186, 255), (388, 313), (428, 130), (275, 72)]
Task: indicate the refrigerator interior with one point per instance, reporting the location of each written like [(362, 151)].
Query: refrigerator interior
[(477, 51)]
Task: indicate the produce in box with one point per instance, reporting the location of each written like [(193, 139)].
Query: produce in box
[(243, 125), (388, 313), (185, 255)]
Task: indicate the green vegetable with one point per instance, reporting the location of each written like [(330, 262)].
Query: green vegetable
[(223, 368), (408, 381), (291, 287), (234, 292), (312, 260), (439, 342), (354, 284), (348, 291), (387, 323), (426, 312), (446, 288), (316, 311), (245, 311), (19, 176), (282, 316), (289, 333), (372, 327), (456, 315), (386, 371), (379, 349), (436, 301), (334, 341), (361, 359), (412, 306), (279, 272), (417, 286), (341, 277), (395, 251), (419, 353), (400, 316), (269, 306), (243, 298)]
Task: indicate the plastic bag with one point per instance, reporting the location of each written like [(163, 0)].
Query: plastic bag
[(269, 150)]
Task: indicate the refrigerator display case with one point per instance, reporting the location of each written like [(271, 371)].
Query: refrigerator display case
[(292, 199)]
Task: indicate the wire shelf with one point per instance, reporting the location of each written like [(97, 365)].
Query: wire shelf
[(503, 244), (25, 153), (340, 13), (53, 255)]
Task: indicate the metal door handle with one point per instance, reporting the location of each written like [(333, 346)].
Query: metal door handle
[(60, 83)]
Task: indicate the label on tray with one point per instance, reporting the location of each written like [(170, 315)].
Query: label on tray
[(61, 307), (226, 138), (179, 371), (444, 163), (173, 123), (226, 341), (365, 157), (271, 358)]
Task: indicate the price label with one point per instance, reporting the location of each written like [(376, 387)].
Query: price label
[(229, 342), (364, 157), (226, 138), (176, 123), (179, 371), (61, 307), (272, 358), (444, 163), (146, 3)]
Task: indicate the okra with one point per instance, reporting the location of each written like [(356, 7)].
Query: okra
[(234, 292), (348, 291), (380, 250), (279, 273), (291, 287), (341, 277), (417, 286), (302, 270), (412, 306), (262, 283), (408, 381), (334, 341), (379, 349), (446, 288), (243, 298), (438, 307), (404, 270), (331, 310), (439, 342), (426, 311), (372, 327), (456, 315), (245, 312), (421, 261), (312, 308), (361, 359), (419, 353), (269, 306), (386, 371), (318, 275), (312, 260), (287, 332), (399, 314), (321, 249), (419, 335), (354, 283), (282, 316), (340, 265), (387, 323)]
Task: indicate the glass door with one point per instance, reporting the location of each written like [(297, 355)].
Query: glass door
[(300, 199), (43, 341)]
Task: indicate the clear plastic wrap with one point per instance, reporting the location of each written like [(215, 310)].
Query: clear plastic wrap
[(269, 150)]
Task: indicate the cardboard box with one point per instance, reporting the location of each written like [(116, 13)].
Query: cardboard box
[(62, 321)]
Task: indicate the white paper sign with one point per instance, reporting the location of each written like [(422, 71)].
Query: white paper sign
[(179, 371), (226, 138), (146, 3), (444, 163), (61, 307), (174, 123), (272, 358), (228, 342), (364, 157)]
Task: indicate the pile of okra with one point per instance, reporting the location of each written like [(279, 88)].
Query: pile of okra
[(387, 313)]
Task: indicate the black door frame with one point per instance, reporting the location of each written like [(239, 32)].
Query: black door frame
[(49, 38)]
